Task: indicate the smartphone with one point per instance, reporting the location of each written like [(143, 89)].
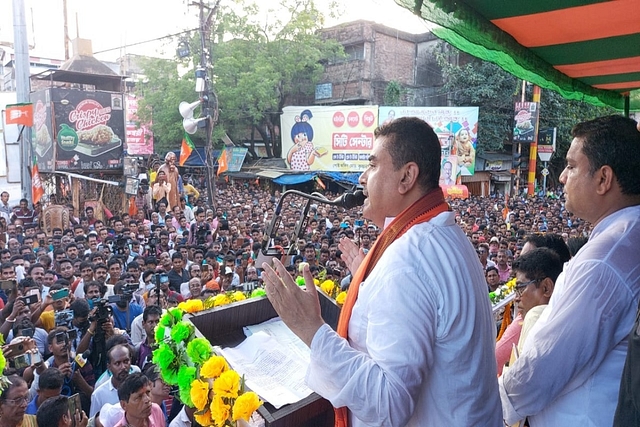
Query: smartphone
[(59, 294), (29, 299), (27, 359), (27, 332), (75, 406), (61, 337), (35, 292), (7, 285)]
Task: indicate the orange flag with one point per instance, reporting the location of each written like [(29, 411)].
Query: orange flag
[(186, 149), (37, 191), (19, 114), (223, 162)]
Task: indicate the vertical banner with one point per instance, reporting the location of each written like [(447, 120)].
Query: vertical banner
[(457, 130), (526, 122), (546, 143), (328, 138), (139, 136)]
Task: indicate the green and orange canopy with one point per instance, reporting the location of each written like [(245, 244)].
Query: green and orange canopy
[(585, 49)]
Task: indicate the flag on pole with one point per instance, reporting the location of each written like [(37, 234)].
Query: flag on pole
[(19, 114), (186, 149), (223, 162), (37, 191), (320, 183)]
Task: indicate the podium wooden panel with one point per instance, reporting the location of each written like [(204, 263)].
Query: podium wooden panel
[(223, 325)]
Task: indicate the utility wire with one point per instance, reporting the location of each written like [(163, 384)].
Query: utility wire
[(147, 41)]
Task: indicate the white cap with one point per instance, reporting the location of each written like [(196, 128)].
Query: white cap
[(110, 414)]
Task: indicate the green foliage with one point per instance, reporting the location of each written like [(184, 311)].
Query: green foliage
[(393, 94), (161, 94), (256, 69), (484, 84)]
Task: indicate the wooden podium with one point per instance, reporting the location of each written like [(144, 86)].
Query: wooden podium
[(223, 325)]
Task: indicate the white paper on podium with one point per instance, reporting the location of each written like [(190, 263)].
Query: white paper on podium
[(271, 367)]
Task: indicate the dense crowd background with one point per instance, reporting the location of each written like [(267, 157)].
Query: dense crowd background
[(94, 286)]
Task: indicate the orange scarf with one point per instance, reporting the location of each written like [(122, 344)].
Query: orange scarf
[(423, 210)]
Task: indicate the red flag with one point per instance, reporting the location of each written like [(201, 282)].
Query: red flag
[(37, 191), (19, 114), (223, 163), (186, 149)]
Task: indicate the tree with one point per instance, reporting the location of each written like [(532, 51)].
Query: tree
[(161, 93), (265, 67), (256, 69), (393, 93)]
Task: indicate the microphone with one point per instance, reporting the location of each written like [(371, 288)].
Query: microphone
[(349, 200), (81, 359)]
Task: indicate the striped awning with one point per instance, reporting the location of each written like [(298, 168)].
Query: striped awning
[(585, 49)]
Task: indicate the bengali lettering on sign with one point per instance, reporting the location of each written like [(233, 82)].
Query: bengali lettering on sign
[(328, 138)]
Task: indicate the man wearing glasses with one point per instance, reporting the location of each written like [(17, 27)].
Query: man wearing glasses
[(536, 273), (570, 367)]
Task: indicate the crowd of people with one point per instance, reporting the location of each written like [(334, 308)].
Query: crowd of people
[(79, 306)]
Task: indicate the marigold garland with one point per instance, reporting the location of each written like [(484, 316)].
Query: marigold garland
[(204, 379)]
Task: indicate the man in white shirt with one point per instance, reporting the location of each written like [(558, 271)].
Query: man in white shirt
[(570, 367), (420, 337), (118, 364)]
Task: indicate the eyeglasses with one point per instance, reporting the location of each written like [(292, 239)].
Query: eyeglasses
[(520, 287), (21, 401)]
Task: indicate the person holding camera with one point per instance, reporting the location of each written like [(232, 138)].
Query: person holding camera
[(200, 230), (55, 412), (123, 310), (57, 299)]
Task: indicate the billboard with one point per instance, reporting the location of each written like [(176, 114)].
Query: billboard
[(78, 130), (139, 136), (526, 122), (328, 138), (457, 130)]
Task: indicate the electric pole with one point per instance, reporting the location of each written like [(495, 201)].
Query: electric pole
[(21, 62)]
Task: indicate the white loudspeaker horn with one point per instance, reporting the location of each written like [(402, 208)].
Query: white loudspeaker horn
[(186, 109), (191, 125)]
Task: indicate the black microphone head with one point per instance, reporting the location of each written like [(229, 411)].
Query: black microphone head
[(351, 200), (86, 354)]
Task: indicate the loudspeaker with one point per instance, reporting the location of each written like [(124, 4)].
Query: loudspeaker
[(186, 109), (191, 125)]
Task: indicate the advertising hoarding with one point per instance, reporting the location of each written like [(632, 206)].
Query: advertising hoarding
[(139, 136), (78, 130), (328, 138), (456, 128)]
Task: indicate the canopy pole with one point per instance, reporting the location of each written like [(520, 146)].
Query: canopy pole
[(627, 104)]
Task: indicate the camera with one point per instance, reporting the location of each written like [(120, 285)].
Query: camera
[(64, 318), (103, 311), (120, 245), (67, 336)]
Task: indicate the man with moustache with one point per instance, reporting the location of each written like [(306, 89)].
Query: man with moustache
[(408, 351), (118, 364), (569, 370)]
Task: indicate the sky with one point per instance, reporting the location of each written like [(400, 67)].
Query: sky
[(116, 23)]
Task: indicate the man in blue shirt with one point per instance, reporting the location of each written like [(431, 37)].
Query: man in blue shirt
[(124, 311), (49, 385)]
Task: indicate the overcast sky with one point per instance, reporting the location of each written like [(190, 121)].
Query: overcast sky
[(114, 23)]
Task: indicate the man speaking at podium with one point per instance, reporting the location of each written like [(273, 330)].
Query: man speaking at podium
[(416, 337)]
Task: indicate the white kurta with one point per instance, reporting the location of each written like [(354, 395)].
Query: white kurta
[(421, 338), (570, 368)]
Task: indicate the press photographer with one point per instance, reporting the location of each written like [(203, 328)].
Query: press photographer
[(78, 372), (123, 310), (200, 231)]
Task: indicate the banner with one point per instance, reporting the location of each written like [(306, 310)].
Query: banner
[(526, 122), (456, 127), (139, 136), (328, 138), (546, 143), (19, 114)]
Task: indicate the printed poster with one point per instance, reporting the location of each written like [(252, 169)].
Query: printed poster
[(139, 137), (328, 138), (456, 128)]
